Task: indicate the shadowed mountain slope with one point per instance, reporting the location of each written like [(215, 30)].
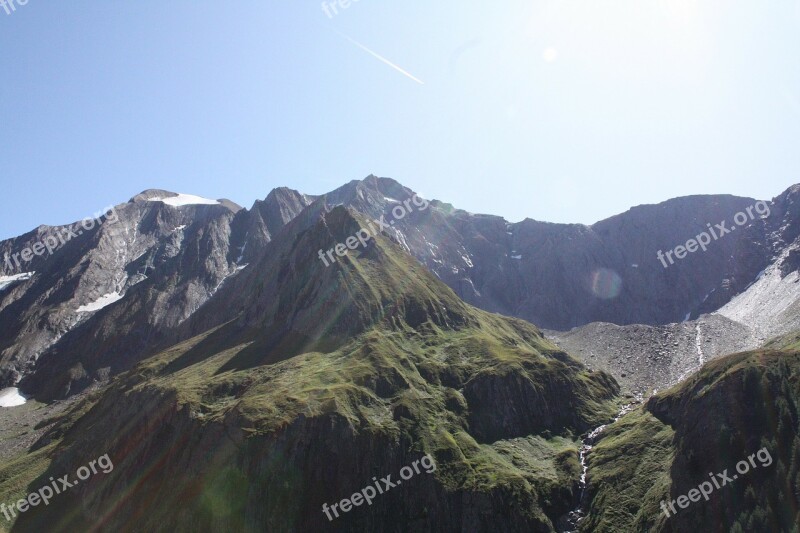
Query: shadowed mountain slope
[(324, 378), (742, 407)]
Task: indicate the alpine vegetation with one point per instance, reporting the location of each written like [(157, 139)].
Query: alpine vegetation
[(278, 397), (468, 364)]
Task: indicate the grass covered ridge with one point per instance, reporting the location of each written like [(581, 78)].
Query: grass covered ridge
[(731, 408), (329, 376)]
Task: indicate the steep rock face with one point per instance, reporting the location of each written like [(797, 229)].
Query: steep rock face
[(258, 226), (92, 270), (718, 422), (562, 276), (757, 307), (498, 401), (129, 283)]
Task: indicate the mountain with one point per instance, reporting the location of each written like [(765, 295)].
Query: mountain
[(252, 369), (725, 442), (174, 258), (139, 273), (646, 357), (321, 379)]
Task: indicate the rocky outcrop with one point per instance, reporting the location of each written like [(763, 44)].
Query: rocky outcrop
[(719, 420), (505, 403), (121, 288)]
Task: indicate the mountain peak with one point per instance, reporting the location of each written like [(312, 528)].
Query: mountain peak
[(181, 200), (149, 194), (303, 296)]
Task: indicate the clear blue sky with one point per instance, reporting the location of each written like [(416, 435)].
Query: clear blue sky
[(562, 110)]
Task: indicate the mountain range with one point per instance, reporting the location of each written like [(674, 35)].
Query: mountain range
[(241, 377)]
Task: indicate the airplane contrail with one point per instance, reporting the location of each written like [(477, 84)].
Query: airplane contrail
[(381, 58)]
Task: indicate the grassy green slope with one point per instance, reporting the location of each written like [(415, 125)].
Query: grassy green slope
[(732, 408), (629, 473), (789, 342), (241, 428)]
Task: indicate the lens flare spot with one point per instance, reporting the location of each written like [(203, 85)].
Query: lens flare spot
[(606, 284)]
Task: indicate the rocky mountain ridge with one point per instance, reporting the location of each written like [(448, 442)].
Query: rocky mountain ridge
[(127, 288), (644, 358)]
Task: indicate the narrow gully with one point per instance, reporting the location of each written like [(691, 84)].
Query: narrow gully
[(579, 513)]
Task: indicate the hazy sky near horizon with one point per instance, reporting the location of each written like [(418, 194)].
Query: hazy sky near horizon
[(557, 110)]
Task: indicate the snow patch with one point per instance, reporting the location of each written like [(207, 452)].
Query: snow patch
[(392, 200), (242, 249), (11, 397), (184, 199), (707, 295), (5, 281), (516, 257), (402, 239), (103, 301)]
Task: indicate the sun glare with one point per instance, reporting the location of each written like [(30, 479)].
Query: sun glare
[(550, 54)]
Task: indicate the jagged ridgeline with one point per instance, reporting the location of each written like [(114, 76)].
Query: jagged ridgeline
[(731, 409), (299, 383)]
